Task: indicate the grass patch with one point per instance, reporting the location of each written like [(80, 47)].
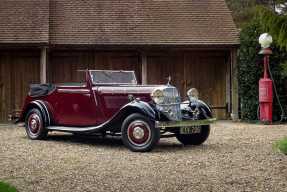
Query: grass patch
[(5, 187), (281, 145)]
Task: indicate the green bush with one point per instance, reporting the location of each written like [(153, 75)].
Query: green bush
[(5, 187), (250, 70), (282, 145)]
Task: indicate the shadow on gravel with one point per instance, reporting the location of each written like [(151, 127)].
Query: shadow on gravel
[(90, 140), (116, 141)]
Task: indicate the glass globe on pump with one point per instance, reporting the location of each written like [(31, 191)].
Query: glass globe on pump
[(265, 40)]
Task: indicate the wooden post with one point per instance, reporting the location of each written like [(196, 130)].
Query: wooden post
[(144, 68), (43, 65), (228, 84), (234, 85)]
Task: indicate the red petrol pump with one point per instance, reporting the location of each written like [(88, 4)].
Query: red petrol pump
[(265, 83)]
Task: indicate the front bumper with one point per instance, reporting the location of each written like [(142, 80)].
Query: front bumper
[(184, 123)]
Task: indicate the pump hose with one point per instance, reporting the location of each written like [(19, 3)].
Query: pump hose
[(276, 94), (277, 97)]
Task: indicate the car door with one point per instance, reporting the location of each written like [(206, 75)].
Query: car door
[(76, 106)]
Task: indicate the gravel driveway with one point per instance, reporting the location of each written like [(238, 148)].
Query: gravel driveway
[(236, 157)]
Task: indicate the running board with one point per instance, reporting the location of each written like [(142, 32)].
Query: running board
[(75, 129)]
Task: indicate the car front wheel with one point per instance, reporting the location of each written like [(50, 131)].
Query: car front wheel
[(34, 125), (195, 138), (139, 133)]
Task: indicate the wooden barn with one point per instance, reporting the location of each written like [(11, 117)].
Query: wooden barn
[(47, 41)]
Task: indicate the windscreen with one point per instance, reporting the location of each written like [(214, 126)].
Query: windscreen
[(113, 77)]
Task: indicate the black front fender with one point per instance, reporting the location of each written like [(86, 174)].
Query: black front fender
[(190, 108), (133, 107), (138, 107)]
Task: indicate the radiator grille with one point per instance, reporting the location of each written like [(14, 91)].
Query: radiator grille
[(171, 105)]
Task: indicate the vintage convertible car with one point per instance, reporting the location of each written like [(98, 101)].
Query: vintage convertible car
[(111, 102)]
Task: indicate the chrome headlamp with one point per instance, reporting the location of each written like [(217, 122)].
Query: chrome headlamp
[(193, 94), (158, 96)]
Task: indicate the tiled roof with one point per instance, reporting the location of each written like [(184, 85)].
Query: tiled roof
[(141, 22), (104, 22), (24, 21)]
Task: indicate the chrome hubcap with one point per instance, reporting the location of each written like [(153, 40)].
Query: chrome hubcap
[(33, 124), (138, 133)]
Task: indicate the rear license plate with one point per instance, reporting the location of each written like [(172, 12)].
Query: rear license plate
[(190, 130)]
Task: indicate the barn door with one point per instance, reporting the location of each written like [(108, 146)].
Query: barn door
[(4, 87), (25, 71), (117, 61), (2, 99), (207, 73), (17, 71), (64, 65), (161, 66)]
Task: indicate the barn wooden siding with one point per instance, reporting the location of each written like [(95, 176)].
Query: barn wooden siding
[(63, 65), (18, 69), (206, 70)]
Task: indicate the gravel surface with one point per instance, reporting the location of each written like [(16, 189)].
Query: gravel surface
[(236, 157)]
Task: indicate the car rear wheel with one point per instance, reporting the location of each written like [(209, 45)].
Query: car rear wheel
[(195, 138), (139, 133), (34, 125)]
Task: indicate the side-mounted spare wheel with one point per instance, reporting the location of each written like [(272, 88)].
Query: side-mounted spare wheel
[(195, 138), (34, 125), (139, 133)]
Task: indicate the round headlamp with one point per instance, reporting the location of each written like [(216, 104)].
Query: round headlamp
[(157, 96), (193, 93)]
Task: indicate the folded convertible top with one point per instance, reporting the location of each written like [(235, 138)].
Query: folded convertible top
[(37, 90)]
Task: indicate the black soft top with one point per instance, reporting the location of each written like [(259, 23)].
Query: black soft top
[(37, 90)]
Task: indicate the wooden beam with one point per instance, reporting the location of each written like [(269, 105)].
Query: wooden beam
[(43, 65), (144, 68), (228, 84), (234, 85)]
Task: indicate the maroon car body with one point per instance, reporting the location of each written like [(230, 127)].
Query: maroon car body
[(111, 102)]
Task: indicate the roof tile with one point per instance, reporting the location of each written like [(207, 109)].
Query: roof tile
[(24, 21), (124, 22)]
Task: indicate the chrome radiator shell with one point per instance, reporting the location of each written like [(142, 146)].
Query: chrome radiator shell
[(170, 107)]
